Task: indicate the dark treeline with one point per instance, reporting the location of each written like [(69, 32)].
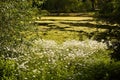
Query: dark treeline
[(107, 9), (67, 5), (110, 11)]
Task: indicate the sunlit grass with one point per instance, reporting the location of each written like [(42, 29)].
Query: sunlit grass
[(64, 28), (66, 18), (59, 36), (60, 29)]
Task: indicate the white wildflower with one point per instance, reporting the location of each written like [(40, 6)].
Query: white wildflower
[(25, 78), (23, 65), (35, 71)]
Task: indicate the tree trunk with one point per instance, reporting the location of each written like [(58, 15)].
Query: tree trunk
[(93, 4)]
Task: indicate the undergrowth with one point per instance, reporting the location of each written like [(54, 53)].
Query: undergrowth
[(71, 60)]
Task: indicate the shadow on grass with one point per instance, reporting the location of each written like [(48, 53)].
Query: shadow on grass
[(90, 25), (112, 32)]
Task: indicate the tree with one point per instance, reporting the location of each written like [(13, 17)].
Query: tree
[(15, 16), (60, 5), (110, 11), (93, 4), (37, 3)]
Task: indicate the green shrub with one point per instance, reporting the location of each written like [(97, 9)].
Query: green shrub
[(114, 71), (8, 69), (109, 11), (72, 60)]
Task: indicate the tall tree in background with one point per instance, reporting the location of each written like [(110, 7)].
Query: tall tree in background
[(93, 4), (110, 11), (60, 5)]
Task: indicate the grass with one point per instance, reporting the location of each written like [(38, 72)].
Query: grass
[(65, 18), (64, 28)]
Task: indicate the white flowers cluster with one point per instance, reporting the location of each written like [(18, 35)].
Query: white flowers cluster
[(71, 48), (52, 51), (45, 43), (47, 54)]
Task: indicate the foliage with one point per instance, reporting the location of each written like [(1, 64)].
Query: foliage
[(66, 5), (115, 55), (14, 17), (71, 60), (109, 11), (28, 59), (8, 69)]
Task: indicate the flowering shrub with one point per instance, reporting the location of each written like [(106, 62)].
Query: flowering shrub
[(71, 48), (71, 60), (47, 60)]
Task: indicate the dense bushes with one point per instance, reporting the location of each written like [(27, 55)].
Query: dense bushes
[(15, 17), (72, 60), (8, 69), (109, 11), (46, 60), (66, 6)]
